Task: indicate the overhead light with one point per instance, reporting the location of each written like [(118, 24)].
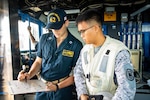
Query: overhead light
[(72, 11), (140, 10), (110, 9), (46, 12), (36, 9)]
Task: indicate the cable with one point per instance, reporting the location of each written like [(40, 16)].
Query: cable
[(137, 76), (29, 3)]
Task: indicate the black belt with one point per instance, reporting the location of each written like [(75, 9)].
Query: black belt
[(96, 97)]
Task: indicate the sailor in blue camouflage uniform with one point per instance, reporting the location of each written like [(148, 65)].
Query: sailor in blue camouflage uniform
[(104, 70), (56, 57)]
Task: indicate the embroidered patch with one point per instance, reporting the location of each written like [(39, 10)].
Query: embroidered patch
[(68, 53), (54, 17), (130, 74)]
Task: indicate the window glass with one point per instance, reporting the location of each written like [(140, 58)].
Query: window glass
[(24, 39)]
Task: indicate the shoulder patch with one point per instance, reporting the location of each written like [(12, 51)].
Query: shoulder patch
[(130, 74)]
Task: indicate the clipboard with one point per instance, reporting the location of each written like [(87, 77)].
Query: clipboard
[(22, 87)]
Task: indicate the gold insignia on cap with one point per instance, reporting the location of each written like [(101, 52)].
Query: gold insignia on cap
[(54, 17), (68, 53)]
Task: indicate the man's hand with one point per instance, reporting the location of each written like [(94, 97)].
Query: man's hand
[(84, 97), (29, 28), (51, 86), (23, 75)]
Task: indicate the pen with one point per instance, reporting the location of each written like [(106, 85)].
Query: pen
[(24, 70), (25, 79)]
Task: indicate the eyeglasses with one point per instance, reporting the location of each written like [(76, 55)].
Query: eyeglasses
[(84, 30)]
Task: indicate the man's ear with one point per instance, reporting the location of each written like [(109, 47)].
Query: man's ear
[(67, 23)]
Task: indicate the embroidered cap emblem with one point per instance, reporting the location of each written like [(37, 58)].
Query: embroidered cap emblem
[(54, 17)]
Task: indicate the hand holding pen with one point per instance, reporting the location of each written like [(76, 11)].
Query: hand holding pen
[(23, 75)]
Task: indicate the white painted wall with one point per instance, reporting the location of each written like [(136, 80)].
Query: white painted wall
[(74, 31)]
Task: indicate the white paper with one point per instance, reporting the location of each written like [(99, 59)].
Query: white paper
[(22, 87)]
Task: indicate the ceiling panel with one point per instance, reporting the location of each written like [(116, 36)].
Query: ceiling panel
[(37, 7)]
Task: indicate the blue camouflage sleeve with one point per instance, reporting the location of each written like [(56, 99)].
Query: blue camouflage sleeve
[(79, 78), (125, 77)]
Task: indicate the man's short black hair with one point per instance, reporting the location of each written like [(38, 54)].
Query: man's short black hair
[(90, 14)]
